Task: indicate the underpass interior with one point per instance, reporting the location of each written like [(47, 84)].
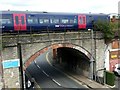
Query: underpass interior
[(73, 60), (46, 76)]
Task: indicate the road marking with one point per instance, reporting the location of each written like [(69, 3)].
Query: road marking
[(42, 70), (48, 75), (35, 61), (48, 59), (69, 76), (36, 84), (45, 73), (38, 66), (56, 82)]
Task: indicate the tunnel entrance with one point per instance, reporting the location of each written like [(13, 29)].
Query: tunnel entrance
[(71, 57), (73, 60)]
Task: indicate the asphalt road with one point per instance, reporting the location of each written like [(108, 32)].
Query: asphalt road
[(49, 77)]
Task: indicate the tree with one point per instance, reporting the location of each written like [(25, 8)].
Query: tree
[(106, 27)]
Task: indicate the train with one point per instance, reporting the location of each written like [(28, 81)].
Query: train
[(31, 21)]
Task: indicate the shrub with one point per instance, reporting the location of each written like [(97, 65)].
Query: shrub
[(106, 28)]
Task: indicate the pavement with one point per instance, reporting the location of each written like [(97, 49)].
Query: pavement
[(84, 80), (88, 82)]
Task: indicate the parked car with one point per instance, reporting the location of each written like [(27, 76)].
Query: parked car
[(117, 70)]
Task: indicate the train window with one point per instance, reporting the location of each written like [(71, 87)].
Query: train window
[(81, 21), (32, 20), (91, 18), (22, 18), (17, 20), (54, 20), (73, 21), (64, 21), (5, 21), (46, 20), (41, 21)]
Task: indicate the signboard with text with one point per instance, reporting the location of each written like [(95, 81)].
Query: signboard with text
[(13, 63)]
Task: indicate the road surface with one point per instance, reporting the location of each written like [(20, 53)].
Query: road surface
[(49, 77)]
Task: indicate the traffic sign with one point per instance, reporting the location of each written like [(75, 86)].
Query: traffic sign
[(11, 63)]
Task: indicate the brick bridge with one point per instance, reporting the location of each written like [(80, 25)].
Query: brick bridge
[(32, 45)]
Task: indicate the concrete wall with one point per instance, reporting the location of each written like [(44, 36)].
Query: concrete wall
[(100, 56)]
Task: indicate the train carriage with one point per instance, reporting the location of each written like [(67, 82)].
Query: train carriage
[(25, 21)]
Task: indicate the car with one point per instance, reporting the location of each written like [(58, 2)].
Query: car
[(117, 70)]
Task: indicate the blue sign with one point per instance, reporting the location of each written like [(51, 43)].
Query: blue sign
[(11, 63)]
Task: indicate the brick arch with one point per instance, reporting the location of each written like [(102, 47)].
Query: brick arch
[(55, 46)]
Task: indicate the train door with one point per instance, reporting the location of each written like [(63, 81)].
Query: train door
[(82, 21), (19, 22)]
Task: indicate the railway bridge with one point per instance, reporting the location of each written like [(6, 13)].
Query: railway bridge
[(89, 47)]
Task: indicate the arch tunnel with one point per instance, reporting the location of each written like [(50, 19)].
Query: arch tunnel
[(73, 60), (69, 56), (66, 57)]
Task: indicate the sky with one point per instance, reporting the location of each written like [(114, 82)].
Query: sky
[(74, 6)]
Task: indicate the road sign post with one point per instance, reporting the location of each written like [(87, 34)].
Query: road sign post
[(21, 65)]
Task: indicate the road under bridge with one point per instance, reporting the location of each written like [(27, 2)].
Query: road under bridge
[(66, 47)]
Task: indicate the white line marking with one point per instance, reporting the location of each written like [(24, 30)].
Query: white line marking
[(56, 82), (38, 66), (42, 70), (63, 72), (48, 59), (35, 61), (45, 73)]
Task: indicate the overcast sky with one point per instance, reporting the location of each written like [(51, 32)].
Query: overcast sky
[(77, 6)]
